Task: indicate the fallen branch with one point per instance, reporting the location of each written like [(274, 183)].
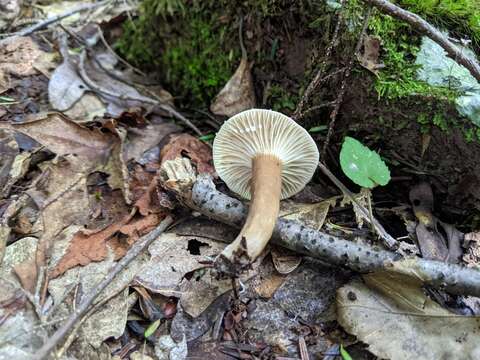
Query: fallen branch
[(88, 300), (201, 195), (433, 33)]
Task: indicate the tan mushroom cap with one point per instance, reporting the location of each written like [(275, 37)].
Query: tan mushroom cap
[(255, 132)]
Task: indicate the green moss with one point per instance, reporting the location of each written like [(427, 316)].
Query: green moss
[(281, 99), (193, 51), (399, 48), (459, 16)]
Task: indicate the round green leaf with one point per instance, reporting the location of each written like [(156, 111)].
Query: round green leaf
[(362, 165)]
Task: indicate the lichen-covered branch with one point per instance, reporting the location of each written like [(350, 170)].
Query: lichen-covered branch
[(204, 197), (433, 33)]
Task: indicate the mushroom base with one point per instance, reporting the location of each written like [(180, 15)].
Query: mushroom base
[(263, 213)]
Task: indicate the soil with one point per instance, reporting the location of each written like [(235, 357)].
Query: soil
[(445, 159)]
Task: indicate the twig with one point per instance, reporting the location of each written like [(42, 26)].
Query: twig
[(314, 108), (87, 301), (317, 80), (388, 240), (124, 62), (202, 196), (343, 86), (433, 33), (54, 19), (140, 98)]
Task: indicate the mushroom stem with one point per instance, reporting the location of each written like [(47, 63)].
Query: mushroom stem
[(263, 213)]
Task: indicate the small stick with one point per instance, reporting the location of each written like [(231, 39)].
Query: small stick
[(143, 99), (55, 18), (80, 311), (119, 58), (388, 240), (433, 33), (317, 80), (360, 257), (343, 86)]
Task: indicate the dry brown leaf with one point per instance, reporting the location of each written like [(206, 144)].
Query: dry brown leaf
[(238, 94), (398, 321), (140, 140), (93, 246), (87, 247), (284, 261), (21, 57), (312, 215), (185, 144), (370, 55), (63, 136), (268, 285)]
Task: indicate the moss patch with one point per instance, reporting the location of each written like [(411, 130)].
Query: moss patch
[(191, 50)]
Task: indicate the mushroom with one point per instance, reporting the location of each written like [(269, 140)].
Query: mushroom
[(264, 156)]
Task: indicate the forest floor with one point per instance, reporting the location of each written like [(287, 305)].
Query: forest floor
[(106, 251)]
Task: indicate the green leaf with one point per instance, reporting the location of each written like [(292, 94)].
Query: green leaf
[(344, 353), (152, 328), (362, 165), (318, 128), (207, 137)]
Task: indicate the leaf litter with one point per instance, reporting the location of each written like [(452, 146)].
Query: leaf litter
[(90, 173)]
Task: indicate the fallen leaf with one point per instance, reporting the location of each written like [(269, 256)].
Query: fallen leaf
[(109, 320), (312, 215), (399, 322), (431, 241), (141, 139), (21, 57), (269, 283), (472, 249), (368, 58), (10, 11), (199, 153), (238, 94), (63, 136), (65, 87), (87, 108), (8, 152), (20, 336), (285, 261), (93, 246), (172, 257)]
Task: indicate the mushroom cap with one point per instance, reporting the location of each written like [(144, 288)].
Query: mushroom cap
[(264, 132)]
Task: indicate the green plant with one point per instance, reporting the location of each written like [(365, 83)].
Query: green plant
[(280, 99), (152, 328), (364, 167), (344, 353)]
